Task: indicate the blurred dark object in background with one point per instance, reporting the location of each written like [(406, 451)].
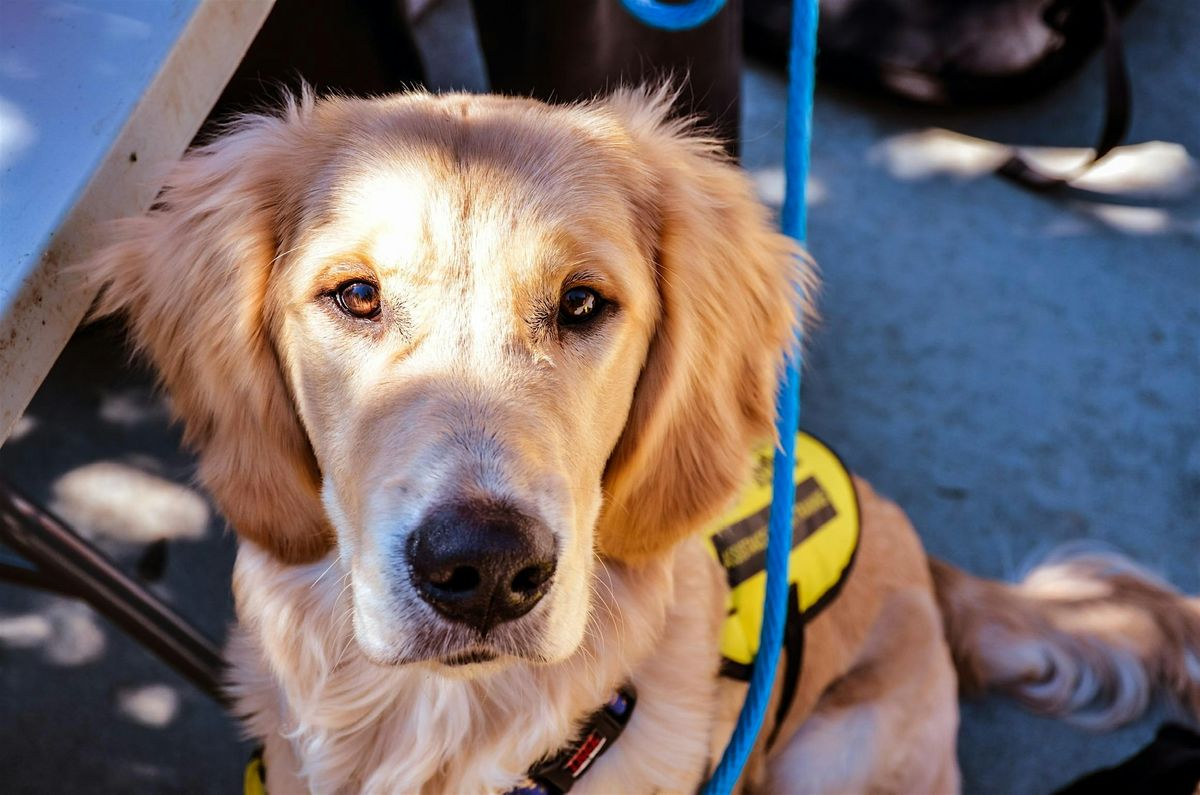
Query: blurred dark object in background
[(563, 51), (557, 51), (358, 47), (1170, 765), (964, 52), (942, 51)]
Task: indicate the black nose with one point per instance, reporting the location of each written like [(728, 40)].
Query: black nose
[(481, 563)]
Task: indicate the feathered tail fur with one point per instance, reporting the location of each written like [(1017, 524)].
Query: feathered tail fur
[(1088, 637)]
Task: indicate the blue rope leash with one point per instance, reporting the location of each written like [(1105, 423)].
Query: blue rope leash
[(787, 403), (674, 16)]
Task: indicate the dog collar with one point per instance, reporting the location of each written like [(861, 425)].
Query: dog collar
[(557, 774), (554, 775)]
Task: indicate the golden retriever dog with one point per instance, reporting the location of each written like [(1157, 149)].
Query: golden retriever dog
[(467, 374)]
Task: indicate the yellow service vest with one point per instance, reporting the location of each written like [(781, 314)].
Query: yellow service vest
[(825, 535), (254, 780)]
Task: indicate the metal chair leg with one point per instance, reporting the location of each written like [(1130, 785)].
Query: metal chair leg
[(63, 562)]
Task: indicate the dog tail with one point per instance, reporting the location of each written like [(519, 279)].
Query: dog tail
[(1089, 637)]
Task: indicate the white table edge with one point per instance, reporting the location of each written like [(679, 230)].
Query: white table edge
[(52, 300)]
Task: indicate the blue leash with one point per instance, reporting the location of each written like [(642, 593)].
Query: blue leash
[(801, 71), (674, 16)]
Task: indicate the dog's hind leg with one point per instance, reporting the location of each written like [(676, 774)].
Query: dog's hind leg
[(889, 725)]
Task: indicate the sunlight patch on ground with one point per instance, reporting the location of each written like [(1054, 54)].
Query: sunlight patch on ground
[(67, 633), (1157, 169), (132, 407), (771, 184), (935, 152), (24, 426), (114, 500), (77, 638), (153, 705), (1131, 220), (1088, 216), (22, 632)]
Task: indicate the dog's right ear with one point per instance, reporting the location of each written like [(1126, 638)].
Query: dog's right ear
[(192, 277), (730, 288)]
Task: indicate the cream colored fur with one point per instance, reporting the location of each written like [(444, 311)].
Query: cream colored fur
[(352, 725), (325, 439)]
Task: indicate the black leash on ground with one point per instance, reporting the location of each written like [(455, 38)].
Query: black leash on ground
[(1170, 765), (1117, 93)]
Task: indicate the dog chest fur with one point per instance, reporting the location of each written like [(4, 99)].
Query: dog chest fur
[(298, 675)]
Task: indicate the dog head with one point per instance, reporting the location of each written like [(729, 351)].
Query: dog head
[(467, 344)]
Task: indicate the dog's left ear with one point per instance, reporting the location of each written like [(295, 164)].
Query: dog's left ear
[(192, 278), (729, 290)]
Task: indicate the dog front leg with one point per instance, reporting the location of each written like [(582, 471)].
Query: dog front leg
[(282, 768), (889, 725)]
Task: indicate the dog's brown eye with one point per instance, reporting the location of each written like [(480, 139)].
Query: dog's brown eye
[(359, 299), (578, 305)]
